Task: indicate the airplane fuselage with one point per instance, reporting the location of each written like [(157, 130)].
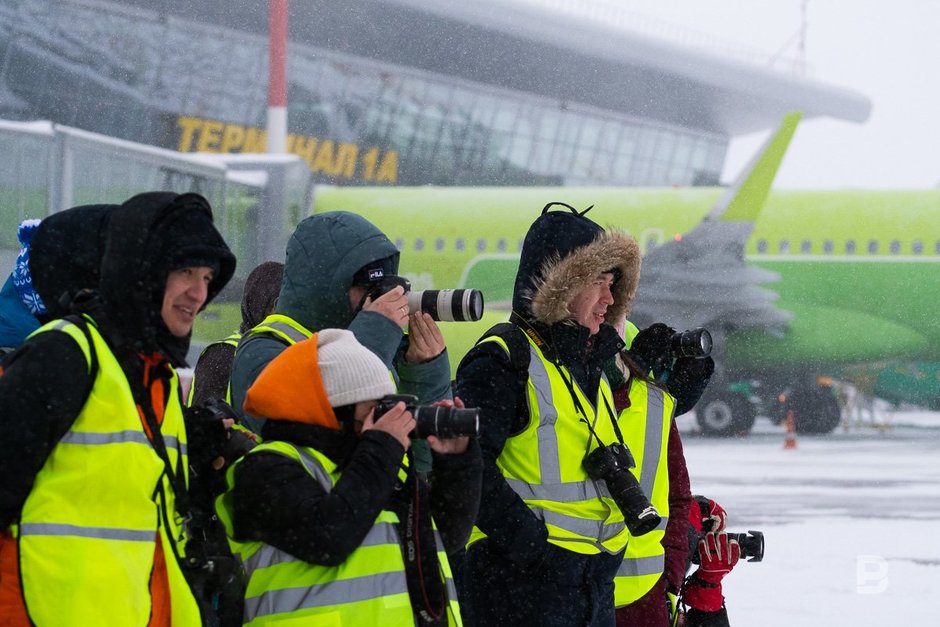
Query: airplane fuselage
[(859, 270)]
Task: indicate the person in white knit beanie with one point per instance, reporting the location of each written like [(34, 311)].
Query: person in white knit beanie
[(331, 498), (351, 373)]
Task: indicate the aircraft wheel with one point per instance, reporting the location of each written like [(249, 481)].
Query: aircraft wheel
[(816, 410), (725, 416)]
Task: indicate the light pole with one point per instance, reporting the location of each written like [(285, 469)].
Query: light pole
[(277, 76)]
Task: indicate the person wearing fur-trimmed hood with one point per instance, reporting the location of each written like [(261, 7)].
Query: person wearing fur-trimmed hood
[(548, 540)]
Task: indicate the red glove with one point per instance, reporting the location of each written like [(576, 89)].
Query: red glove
[(711, 517), (717, 554)]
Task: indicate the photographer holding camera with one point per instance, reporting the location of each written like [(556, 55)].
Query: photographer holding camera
[(332, 527), (335, 276), (716, 552), (654, 566), (558, 496)]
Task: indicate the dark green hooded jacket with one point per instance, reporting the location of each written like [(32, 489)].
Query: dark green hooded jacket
[(323, 254)]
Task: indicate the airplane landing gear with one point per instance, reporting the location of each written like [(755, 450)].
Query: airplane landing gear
[(815, 408), (725, 414)]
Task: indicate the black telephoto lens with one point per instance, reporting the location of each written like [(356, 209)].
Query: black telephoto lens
[(445, 422), (694, 343), (612, 464)]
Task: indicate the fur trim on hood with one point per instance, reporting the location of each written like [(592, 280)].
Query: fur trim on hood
[(562, 254), (563, 278)]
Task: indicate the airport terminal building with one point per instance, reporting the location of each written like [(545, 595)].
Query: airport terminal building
[(401, 92)]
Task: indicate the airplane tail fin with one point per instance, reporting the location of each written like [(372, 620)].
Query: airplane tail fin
[(745, 198), (703, 279)]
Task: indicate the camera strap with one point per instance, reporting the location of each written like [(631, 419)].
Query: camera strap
[(426, 588), (549, 354)]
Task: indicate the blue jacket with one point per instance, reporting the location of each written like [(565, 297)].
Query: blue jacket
[(16, 322)]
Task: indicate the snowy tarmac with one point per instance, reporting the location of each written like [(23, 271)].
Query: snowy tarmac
[(851, 521)]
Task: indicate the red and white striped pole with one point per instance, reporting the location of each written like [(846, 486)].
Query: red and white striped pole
[(277, 76)]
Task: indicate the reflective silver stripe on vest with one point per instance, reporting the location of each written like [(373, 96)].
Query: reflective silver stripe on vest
[(267, 555), (449, 581), (288, 330), (119, 437), (551, 487), (560, 492), (653, 438), (549, 466), (312, 465), (102, 533), (639, 566), (352, 590), (586, 527)]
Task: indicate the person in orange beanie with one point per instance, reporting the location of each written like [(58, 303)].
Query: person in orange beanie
[(328, 514)]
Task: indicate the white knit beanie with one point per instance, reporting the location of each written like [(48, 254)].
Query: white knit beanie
[(351, 372)]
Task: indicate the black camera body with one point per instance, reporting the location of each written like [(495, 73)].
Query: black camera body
[(751, 543), (451, 305), (696, 343), (443, 422), (612, 464)]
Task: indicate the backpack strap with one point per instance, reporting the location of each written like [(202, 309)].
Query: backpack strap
[(519, 356), (82, 323)]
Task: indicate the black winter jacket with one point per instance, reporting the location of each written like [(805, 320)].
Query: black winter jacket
[(277, 502)]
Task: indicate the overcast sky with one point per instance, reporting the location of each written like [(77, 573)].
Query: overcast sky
[(888, 50)]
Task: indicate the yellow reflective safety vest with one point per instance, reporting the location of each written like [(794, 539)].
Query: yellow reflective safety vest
[(88, 529), (231, 340), (542, 464), (369, 588), (283, 327), (645, 428)]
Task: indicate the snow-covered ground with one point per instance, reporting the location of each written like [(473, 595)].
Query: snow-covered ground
[(851, 521)]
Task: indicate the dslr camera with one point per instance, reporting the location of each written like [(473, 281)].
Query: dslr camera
[(696, 343), (205, 426), (612, 464), (443, 422), (451, 305)]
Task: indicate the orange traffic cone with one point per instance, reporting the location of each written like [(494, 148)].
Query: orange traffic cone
[(789, 440)]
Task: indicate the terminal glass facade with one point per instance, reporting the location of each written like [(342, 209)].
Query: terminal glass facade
[(198, 87)]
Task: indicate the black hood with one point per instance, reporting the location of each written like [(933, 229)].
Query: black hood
[(563, 252), (260, 294), (148, 236), (65, 255)]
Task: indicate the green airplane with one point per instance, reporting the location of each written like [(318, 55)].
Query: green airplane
[(796, 287)]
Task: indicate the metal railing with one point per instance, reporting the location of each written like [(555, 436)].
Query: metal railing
[(45, 168)]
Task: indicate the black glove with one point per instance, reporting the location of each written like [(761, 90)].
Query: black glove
[(651, 345), (687, 381)]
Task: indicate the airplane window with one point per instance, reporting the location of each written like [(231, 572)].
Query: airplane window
[(439, 244), (850, 247), (460, 244), (917, 247), (895, 247), (762, 246), (481, 245), (419, 243), (806, 247), (828, 246), (399, 243), (872, 246), (784, 246), (501, 244)]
